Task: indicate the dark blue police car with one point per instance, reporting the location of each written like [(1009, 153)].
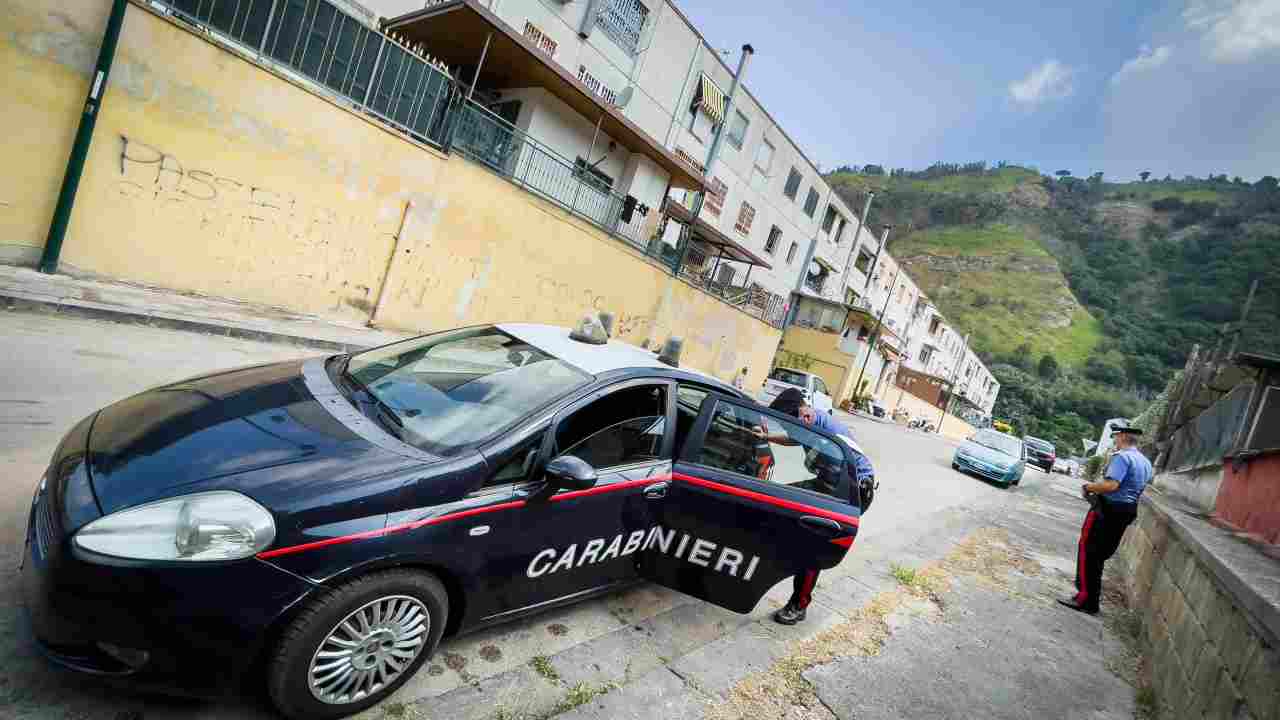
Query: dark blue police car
[(323, 523)]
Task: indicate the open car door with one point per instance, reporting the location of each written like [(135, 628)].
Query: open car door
[(754, 497)]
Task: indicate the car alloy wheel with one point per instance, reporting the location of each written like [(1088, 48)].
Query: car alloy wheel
[(369, 649), (355, 644)]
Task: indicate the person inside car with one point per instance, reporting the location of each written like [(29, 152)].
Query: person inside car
[(791, 402)]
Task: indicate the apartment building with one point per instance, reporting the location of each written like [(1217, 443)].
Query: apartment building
[(602, 87)]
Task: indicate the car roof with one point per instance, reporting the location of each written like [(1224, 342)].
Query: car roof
[(1036, 439), (592, 359)]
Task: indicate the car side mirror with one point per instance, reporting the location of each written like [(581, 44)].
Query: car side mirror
[(568, 472)]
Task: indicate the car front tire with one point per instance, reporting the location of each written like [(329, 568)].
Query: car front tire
[(355, 645)]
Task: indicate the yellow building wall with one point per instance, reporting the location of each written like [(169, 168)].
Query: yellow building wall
[(208, 174), (827, 360), (953, 427)]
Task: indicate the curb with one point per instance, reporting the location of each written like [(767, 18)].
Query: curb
[(22, 303)]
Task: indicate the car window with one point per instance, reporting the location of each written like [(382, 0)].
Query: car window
[(452, 389), (750, 443), (517, 468), (620, 428), (790, 377), (688, 404), (820, 386), (999, 441)]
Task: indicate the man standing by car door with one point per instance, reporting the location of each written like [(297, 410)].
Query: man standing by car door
[(1115, 505), (791, 402)]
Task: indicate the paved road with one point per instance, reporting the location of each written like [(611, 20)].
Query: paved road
[(55, 371)]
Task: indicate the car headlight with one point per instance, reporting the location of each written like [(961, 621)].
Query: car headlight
[(199, 527)]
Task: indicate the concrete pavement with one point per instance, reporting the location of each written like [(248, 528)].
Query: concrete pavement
[(647, 652)]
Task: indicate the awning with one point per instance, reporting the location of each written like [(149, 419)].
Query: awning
[(824, 263), (454, 31), (710, 99), (733, 250)]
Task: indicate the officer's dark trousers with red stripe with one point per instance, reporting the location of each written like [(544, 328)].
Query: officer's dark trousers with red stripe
[(1100, 535), (802, 589)]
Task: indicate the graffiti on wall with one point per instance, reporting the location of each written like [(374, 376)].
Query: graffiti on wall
[(253, 234)]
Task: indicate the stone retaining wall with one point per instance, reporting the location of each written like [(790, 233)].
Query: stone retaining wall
[(1212, 645)]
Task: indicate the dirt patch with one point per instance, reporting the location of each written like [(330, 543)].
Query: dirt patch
[(782, 693), (557, 629), (490, 653), (454, 661)]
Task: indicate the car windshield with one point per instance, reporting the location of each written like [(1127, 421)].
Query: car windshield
[(1039, 444), (999, 441), (452, 389), (790, 377)]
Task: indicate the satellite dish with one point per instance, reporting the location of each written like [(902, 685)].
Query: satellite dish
[(624, 97), (815, 268)]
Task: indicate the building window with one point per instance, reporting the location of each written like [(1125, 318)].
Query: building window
[(863, 263), (771, 245), (829, 220), (599, 89), (738, 129), (760, 171), (746, 215), (793, 184), (934, 325), (791, 253), (592, 176), (623, 21), (924, 355), (716, 193), (540, 40), (811, 202), (840, 230)]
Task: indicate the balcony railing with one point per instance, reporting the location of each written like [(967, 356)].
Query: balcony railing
[(324, 44)]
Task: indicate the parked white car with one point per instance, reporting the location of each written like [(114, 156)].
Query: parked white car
[(814, 389)]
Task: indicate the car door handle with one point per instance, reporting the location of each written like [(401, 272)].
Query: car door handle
[(825, 527), (656, 491)]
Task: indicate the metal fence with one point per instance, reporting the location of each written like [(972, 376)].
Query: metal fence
[(325, 44), (1212, 434), (492, 141)]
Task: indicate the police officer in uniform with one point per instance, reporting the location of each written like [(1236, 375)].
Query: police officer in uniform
[(1115, 505), (791, 402)]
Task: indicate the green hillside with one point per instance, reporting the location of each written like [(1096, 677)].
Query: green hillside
[(1082, 295), (999, 284)]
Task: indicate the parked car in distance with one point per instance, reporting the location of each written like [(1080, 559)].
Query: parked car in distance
[(1065, 466), (814, 389), (993, 455), (1040, 453)]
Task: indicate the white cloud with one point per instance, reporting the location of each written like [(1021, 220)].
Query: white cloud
[(1146, 60), (1237, 30), (1049, 81)]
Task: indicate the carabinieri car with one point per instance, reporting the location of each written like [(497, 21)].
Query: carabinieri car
[(319, 525)]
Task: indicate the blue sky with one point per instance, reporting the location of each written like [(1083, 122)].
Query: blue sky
[(1185, 87)]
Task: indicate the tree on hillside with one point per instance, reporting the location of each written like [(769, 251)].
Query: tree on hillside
[(1144, 175), (872, 170), (1267, 184), (1063, 173), (1048, 368), (1105, 370)]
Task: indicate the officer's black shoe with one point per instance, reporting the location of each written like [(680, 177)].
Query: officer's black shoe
[(1071, 603), (788, 615)]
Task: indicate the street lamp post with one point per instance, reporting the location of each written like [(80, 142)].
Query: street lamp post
[(964, 347)]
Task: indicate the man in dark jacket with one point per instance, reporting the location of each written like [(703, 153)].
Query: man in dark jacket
[(791, 402)]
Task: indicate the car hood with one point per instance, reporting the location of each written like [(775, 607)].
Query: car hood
[(256, 430), (987, 455)]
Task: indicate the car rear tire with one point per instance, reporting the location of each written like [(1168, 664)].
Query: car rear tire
[(373, 633), (955, 467)]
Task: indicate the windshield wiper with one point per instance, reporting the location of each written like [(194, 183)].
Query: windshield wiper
[(386, 416)]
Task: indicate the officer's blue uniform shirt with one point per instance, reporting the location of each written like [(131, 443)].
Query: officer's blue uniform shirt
[(1132, 470), (862, 469)]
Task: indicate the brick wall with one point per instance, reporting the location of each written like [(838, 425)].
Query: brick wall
[(1211, 658)]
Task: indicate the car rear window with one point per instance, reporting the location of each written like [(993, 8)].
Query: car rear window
[(790, 377), (1040, 445)]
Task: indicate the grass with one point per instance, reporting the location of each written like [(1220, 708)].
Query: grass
[(1002, 181), (581, 694), (971, 240), (1149, 191), (541, 664), (1000, 306)]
